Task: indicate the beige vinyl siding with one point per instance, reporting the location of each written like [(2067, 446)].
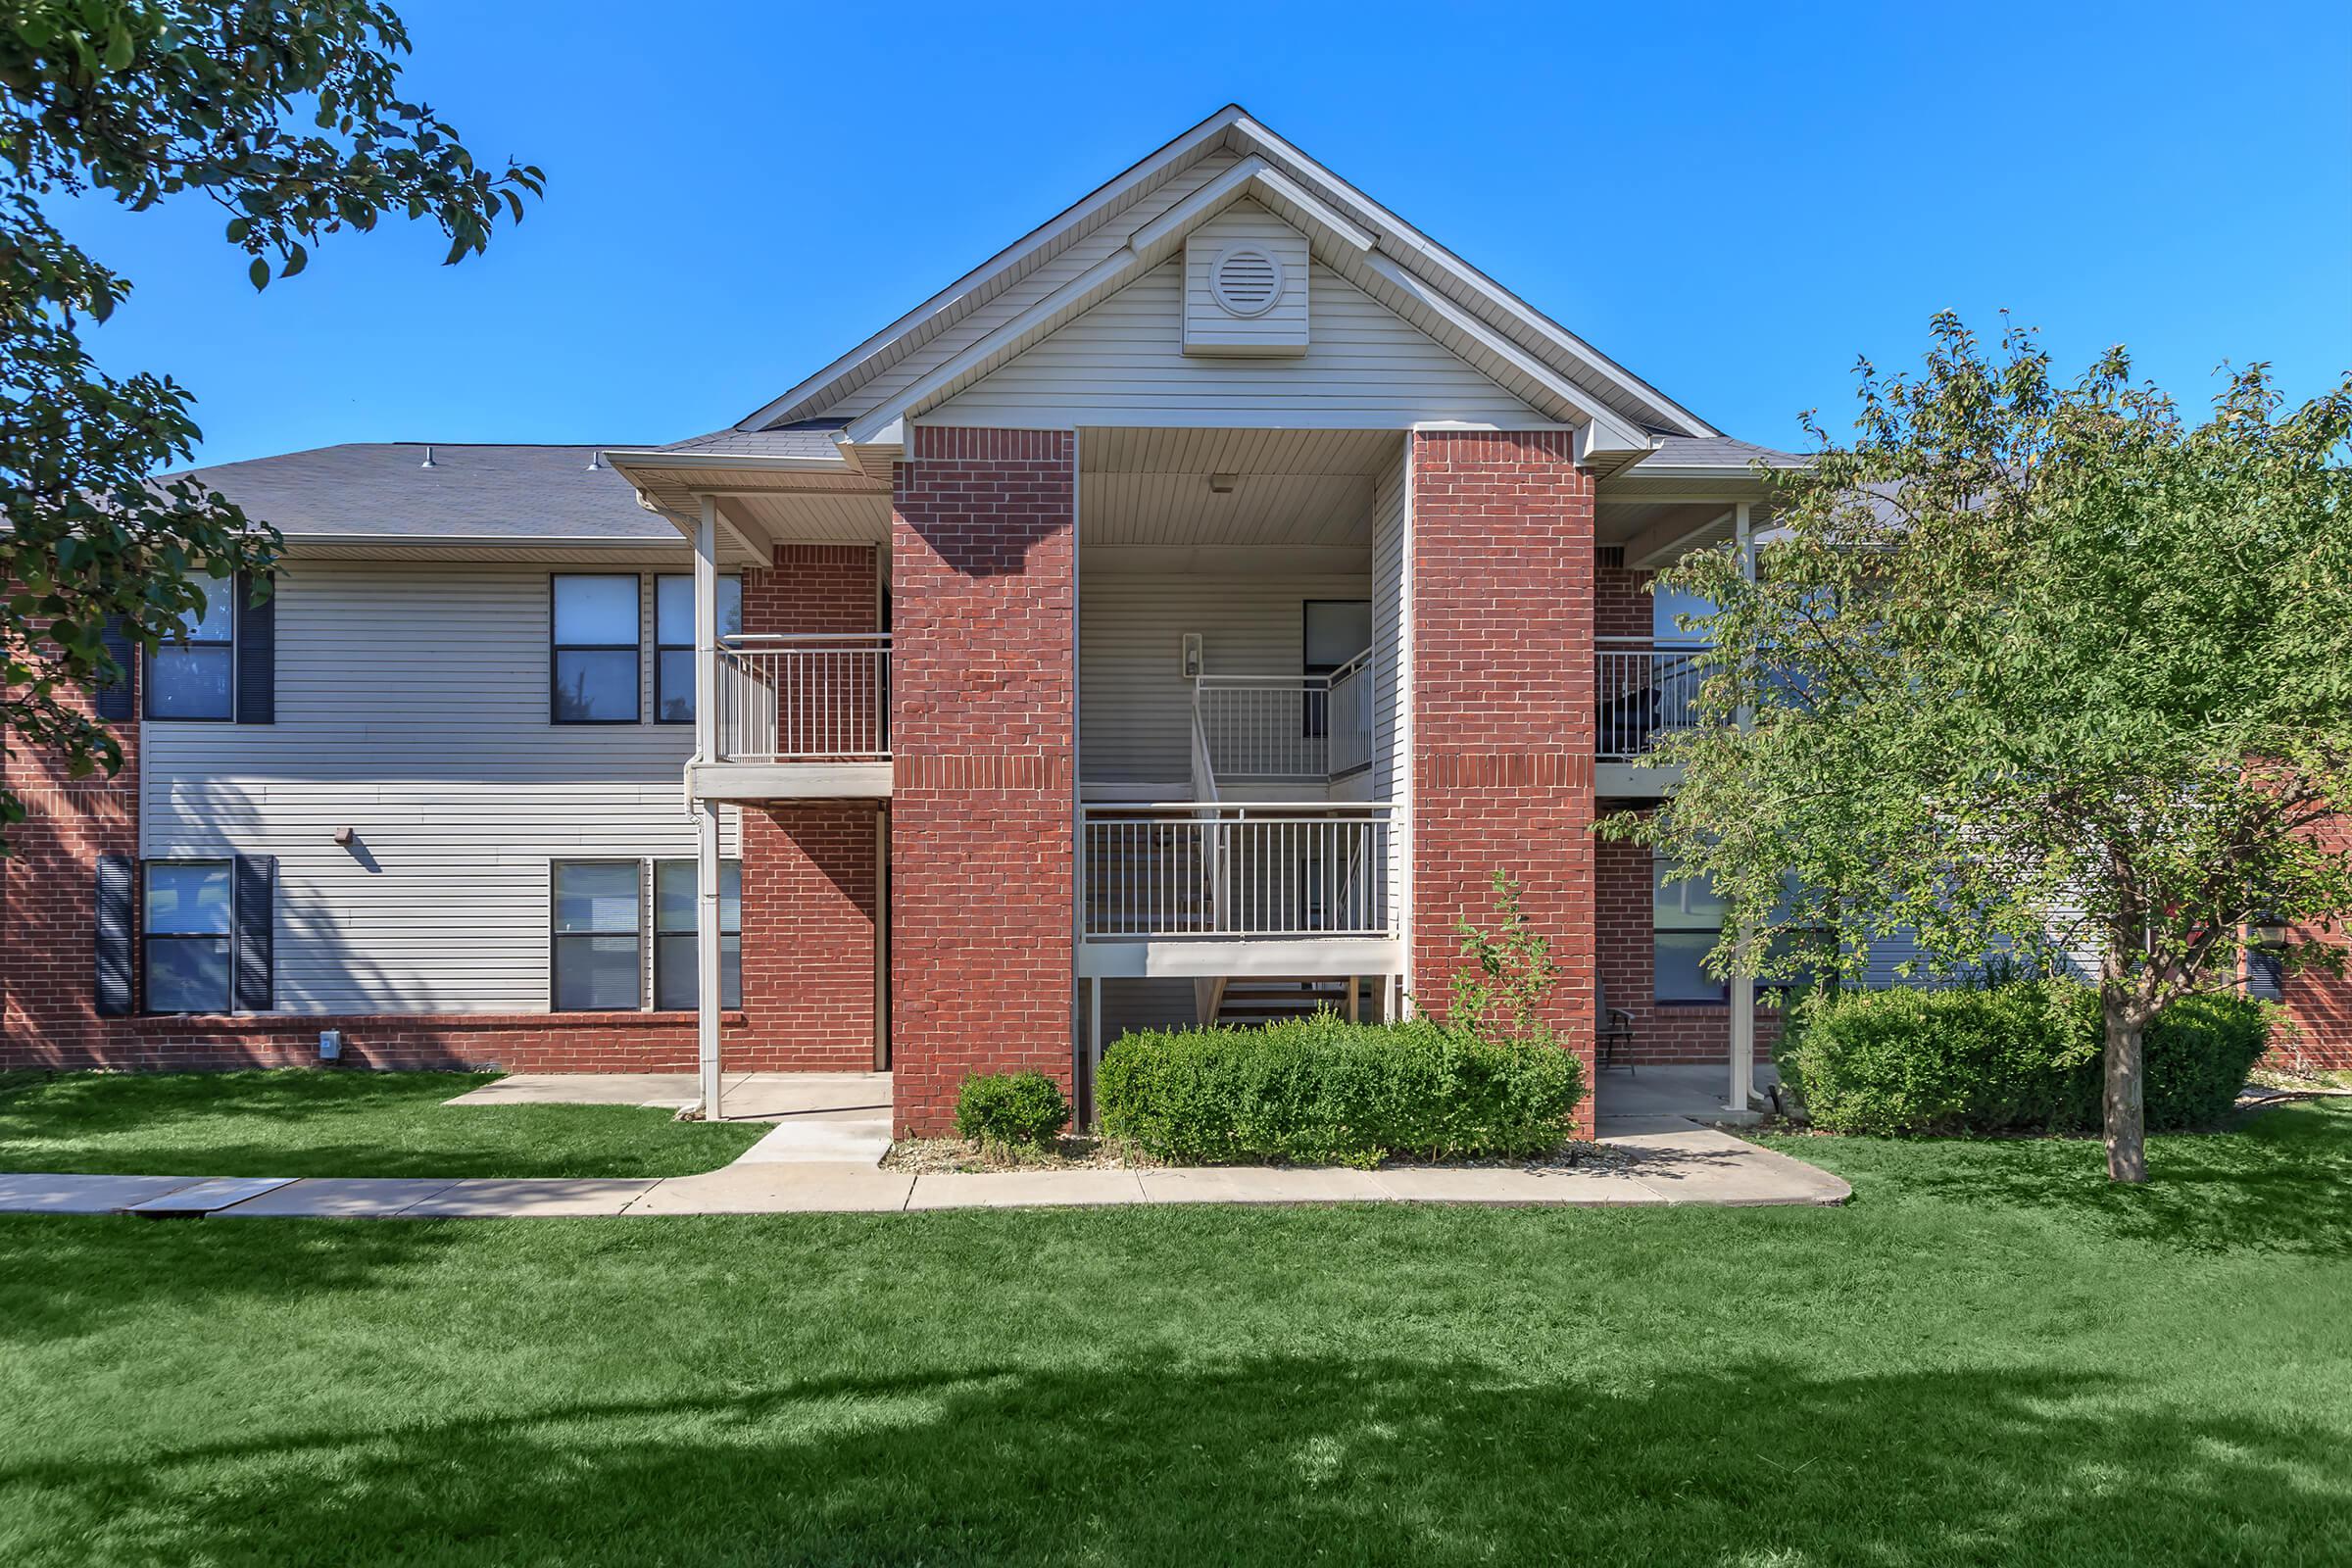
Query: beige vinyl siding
[(1392, 767), (1136, 716), (1017, 297), (1123, 363), (413, 708)]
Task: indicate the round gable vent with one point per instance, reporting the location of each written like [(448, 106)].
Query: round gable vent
[(1245, 281)]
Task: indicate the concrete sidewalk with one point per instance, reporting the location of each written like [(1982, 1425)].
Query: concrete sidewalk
[(1688, 1165)]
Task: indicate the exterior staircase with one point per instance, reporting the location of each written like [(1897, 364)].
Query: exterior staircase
[(1248, 1003)]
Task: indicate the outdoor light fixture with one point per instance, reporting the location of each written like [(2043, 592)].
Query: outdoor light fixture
[(1192, 655), (1222, 483), (343, 837)]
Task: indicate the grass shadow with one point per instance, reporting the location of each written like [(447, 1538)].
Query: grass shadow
[(2277, 1181), (308, 1122), (1267, 1458)]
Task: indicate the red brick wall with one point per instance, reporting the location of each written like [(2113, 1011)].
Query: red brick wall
[(48, 880), (2319, 1004), (1502, 703), (808, 885), (983, 561), (1621, 603), (1664, 1033), (809, 868)]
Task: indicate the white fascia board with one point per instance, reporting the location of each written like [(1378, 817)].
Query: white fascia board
[(1105, 277), (1606, 428), (664, 458), (930, 314), (1399, 236), (296, 544)]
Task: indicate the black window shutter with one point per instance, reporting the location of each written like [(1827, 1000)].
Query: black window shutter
[(114, 697), (117, 927), (257, 892), (257, 654)]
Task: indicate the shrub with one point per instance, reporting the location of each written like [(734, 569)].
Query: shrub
[(1320, 1090), (1009, 1110), (2023, 1056)]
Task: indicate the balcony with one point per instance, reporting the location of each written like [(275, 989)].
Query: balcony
[(1205, 888), (1644, 688), (801, 717)]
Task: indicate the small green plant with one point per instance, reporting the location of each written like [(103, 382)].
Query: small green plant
[(1500, 999), (1011, 1110)]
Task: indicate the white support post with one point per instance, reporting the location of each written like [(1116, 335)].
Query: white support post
[(1743, 1082), (1093, 1043), (706, 847)]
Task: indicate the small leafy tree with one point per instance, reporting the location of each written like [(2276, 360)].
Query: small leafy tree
[(2033, 665), (288, 114), (1501, 996)]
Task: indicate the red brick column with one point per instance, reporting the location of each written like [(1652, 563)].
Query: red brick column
[(1502, 704), (984, 726), (809, 868), (48, 895)]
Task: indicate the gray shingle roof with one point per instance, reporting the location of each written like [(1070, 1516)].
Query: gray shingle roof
[(811, 438), (470, 492), (1714, 451)]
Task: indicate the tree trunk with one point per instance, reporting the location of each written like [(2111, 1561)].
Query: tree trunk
[(2123, 1101)]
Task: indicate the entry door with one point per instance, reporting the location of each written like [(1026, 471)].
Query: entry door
[(1335, 631)]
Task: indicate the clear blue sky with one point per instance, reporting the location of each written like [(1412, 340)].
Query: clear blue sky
[(1735, 202)]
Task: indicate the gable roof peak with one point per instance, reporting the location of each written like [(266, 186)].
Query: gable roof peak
[(1481, 307)]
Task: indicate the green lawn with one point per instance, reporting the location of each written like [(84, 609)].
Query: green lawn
[(310, 1123), (1988, 1357)]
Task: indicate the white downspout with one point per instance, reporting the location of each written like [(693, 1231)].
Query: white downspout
[(705, 848), (1742, 1081)]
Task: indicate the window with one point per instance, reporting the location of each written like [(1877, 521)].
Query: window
[(673, 642), (598, 638), (1686, 921), (193, 677), (189, 917), (599, 936), (675, 982)]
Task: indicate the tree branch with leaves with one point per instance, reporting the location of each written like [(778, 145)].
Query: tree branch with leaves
[(2035, 664), (290, 117)]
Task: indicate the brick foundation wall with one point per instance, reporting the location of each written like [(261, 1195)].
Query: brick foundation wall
[(1502, 704), (520, 1042), (984, 725), (1664, 1033)]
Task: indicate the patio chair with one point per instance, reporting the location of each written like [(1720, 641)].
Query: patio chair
[(1614, 1029)]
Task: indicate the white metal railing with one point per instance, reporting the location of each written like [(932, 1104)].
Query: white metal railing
[(803, 697), (1211, 868), (1645, 687), (1287, 726)]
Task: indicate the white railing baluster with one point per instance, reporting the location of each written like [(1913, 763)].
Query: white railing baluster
[(803, 698), (1210, 868), (1643, 687)]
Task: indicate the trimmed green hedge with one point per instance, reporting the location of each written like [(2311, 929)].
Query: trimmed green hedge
[(1324, 1091), (2020, 1057), (1004, 1109)]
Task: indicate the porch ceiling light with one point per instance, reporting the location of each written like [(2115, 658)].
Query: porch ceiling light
[(1222, 483)]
